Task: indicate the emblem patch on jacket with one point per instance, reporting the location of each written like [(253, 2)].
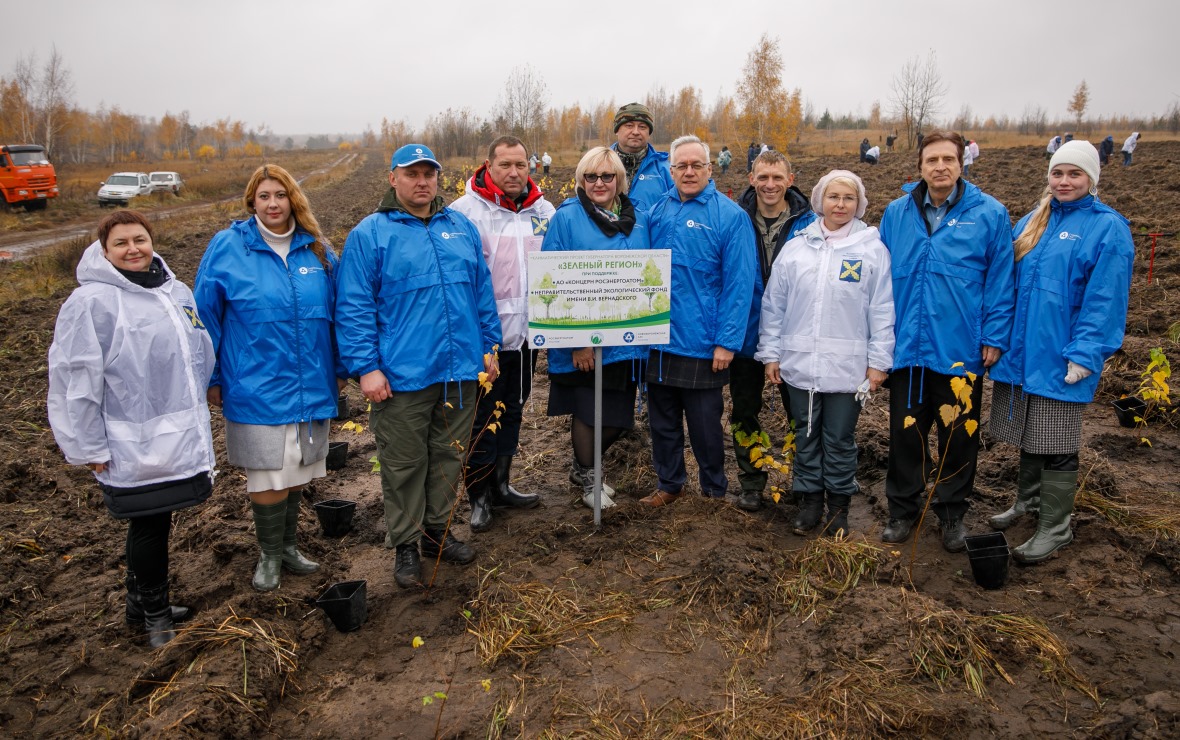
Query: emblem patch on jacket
[(540, 226), (850, 270), (195, 320)]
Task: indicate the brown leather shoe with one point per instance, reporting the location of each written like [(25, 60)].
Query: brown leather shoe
[(659, 498)]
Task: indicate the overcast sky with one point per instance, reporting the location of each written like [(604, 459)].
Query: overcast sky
[(328, 66)]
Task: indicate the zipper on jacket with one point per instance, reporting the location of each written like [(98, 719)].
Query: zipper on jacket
[(442, 284)]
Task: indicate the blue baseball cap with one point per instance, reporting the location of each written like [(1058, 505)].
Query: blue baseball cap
[(413, 154)]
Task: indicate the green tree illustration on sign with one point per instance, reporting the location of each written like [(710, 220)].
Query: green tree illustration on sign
[(547, 282), (651, 279)]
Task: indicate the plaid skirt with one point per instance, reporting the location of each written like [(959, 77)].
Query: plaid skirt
[(678, 371), (1042, 426)]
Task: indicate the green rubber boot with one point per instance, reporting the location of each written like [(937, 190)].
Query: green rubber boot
[(1058, 488), (293, 560), (270, 523), (1028, 492)]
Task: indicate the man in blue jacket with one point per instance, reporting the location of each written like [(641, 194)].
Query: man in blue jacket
[(778, 210), (416, 322), (713, 277), (647, 169), (953, 291)]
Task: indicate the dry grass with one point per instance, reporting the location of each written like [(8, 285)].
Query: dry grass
[(825, 570), (1157, 521), (519, 620), (44, 274)]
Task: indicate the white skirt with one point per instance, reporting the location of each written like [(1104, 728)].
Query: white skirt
[(293, 474)]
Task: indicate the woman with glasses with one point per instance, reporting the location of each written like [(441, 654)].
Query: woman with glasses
[(601, 217), (266, 289), (1073, 279)]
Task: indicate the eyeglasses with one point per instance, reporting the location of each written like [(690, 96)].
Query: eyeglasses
[(695, 166), (592, 177)]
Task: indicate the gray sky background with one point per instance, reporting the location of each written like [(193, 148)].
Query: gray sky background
[(328, 66)]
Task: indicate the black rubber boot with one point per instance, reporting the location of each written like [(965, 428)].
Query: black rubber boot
[(135, 614), (1028, 492), (503, 494), (810, 512), (478, 482), (837, 522), (436, 542), (157, 615), (293, 560), (270, 524)]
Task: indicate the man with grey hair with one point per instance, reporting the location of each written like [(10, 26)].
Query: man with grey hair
[(713, 278)]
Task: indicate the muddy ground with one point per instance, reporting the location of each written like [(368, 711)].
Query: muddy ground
[(695, 620)]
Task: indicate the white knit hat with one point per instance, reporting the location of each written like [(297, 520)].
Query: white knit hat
[(817, 193), (1080, 154)]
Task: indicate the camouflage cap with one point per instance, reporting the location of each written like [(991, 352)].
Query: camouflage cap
[(634, 112)]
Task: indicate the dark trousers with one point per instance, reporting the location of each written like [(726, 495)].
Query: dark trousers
[(747, 377), (825, 458), (512, 388), (668, 407), (918, 393), (147, 548)]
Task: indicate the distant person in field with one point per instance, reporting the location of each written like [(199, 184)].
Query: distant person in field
[(546, 161), (265, 290), (873, 155), (751, 154), (600, 216), (713, 280), (416, 322), (778, 211), (1073, 273), (1052, 147), (953, 291), (1068, 137), (1105, 149), (533, 163), (512, 217), (968, 159), (724, 158), (889, 141), (864, 148), (973, 147), (827, 338), (647, 169), (1129, 148), (919, 139)]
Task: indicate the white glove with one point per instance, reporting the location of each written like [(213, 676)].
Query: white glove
[(1075, 372), (862, 393)]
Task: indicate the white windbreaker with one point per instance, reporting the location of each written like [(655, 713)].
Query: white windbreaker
[(508, 237), (827, 313), (128, 369)]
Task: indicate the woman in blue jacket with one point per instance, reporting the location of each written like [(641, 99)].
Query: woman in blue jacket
[(265, 291), (600, 217), (1073, 268)]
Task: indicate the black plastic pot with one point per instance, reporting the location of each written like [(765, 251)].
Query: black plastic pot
[(337, 454), (988, 554), (341, 407), (1127, 408), (335, 516), (345, 605)]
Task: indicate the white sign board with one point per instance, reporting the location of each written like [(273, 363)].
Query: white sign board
[(599, 298)]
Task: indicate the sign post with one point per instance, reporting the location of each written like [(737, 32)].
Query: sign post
[(599, 299)]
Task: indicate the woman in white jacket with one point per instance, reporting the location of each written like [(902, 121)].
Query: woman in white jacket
[(827, 332), (128, 368)]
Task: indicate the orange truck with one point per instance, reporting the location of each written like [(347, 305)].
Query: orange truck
[(26, 176)]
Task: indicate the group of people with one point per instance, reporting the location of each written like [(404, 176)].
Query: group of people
[(427, 309), (1105, 147)]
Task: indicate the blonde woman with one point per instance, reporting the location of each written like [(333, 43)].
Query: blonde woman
[(1073, 274), (265, 291)]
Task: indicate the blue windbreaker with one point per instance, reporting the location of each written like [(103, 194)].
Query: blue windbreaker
[(1071, 300), (572, 229), (651, 181), (271, 326), (953, 289), (713, 270), (415, 301)]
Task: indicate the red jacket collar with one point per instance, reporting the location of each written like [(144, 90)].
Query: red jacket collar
[(483, 186)]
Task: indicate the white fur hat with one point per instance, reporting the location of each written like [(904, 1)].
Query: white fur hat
[(817, 193)]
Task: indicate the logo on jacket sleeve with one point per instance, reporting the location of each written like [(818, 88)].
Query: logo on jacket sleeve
[(540, 226), (850, 270), (193, 319)]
